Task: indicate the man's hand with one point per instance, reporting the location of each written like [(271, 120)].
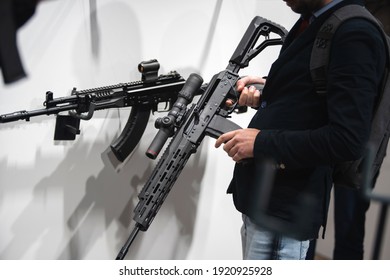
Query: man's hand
[(250, 96), (238, 143)]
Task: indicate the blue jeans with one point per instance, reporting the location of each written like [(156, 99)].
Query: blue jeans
[(261, 244)]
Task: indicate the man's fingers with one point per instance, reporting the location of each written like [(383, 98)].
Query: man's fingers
[(224, 138), (229, 103), (243, 97), (256, 98), (249, 97), (247, 80), (241, 83), (221, 139)]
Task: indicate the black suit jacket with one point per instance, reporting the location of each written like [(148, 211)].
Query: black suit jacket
[(305, 133)]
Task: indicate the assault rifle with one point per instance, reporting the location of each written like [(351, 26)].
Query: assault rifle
[(143, 96), (188, 127)]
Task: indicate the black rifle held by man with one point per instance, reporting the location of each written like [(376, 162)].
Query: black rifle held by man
[(142, 96), (188, 127)]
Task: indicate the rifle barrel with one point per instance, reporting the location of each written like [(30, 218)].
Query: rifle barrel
[(125, 248), (26, 115)]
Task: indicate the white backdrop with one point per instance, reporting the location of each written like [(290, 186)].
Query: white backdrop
[(68, 200)]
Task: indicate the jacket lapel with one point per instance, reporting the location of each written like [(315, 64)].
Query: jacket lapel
[(291, 46)]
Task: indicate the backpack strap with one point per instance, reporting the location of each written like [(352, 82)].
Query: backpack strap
[(321, 49)]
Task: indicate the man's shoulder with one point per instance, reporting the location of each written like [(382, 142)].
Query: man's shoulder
[(350, 18)]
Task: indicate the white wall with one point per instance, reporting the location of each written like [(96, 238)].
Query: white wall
[(68, 200)]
